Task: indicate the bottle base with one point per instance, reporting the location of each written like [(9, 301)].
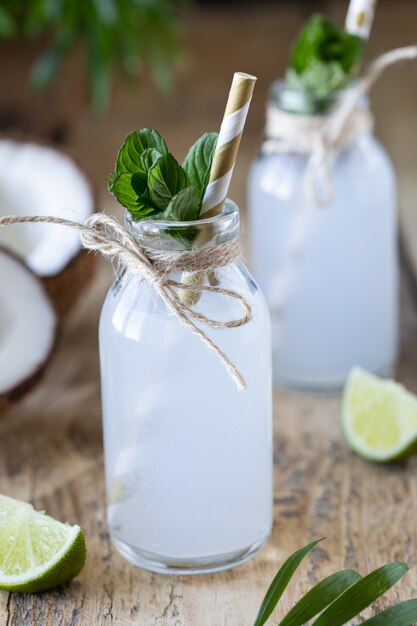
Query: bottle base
[(204, 565)]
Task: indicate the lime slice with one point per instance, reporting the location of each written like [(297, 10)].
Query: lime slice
[(36, 551), (379, 417)]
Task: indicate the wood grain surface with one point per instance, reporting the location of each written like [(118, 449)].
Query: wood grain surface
[(51, 454), (51, 446)]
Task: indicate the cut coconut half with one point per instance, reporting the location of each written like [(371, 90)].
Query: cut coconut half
[(27, 328), (39, 180)]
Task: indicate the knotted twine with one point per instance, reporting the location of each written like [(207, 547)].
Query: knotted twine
[(321, 136), (104, 234)]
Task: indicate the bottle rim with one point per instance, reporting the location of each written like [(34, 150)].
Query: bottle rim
[(298, 101), (209, 231)]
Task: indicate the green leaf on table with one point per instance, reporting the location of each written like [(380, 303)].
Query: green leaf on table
[(197, 163), (361, 594), (165, 179), (320, 597), (184, 206), (402, 614), (280, 583)]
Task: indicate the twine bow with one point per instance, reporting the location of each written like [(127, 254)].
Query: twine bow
[(106, 235), (321, 136)]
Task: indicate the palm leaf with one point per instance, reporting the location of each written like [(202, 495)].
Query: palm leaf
[(361, 594), (280, 582), (402, 614), (319, 597)]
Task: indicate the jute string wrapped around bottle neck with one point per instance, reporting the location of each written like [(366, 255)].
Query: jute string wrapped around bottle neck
[(321, 136), (106, 235)]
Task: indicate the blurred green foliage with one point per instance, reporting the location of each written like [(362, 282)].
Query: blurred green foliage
[(321, 40), (127, 34), (324, 59)]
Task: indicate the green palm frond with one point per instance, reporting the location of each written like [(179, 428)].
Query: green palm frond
[(339, 598)]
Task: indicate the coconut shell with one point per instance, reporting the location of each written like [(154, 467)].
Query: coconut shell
[(64, 287), (12, 397), (23, 387)]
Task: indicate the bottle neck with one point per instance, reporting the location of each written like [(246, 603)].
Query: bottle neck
[(182, 236), (309, 103)]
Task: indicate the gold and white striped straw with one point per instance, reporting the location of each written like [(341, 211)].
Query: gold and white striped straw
[(360, 17), (230, 134)]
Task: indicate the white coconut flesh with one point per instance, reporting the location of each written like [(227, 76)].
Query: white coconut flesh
[(39, 180), (27, 323)]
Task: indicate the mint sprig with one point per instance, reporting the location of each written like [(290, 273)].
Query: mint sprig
[(323, 60), (339, 598), (198, 162), (150, 182)]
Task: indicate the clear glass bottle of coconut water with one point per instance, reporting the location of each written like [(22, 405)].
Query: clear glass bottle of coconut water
[(329, 273), (188, 457)]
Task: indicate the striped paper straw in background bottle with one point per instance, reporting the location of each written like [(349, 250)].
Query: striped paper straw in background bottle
[(228, 143), (360, 17)]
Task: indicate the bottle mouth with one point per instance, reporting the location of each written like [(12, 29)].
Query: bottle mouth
[(308, 102), (175, 235)]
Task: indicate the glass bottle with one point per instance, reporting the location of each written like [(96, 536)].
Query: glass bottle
[(335, 304), (188, 457)]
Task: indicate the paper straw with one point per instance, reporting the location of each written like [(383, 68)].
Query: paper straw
[(360, 17), (230, 134)]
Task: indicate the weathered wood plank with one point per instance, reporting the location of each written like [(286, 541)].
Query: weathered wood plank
[(52, 455)]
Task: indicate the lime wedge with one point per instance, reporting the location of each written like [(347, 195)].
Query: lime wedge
[(379, 417), (36, 551)]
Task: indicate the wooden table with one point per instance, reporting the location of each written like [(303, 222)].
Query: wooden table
[(51, 454), (51, 446)]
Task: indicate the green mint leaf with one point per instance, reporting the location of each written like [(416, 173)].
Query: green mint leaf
[(316, 86), (348, 50), (184, 206), (197, 163), (402, 614), (130, 159), (280, 583), (361, 594), (121, 187), (165, 179), (150, 183), (139, 153), (150, 138), (149, 157), (111, 181), (319, 597), (131, 191), (319, 79), (321, 40), (139, 183)]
